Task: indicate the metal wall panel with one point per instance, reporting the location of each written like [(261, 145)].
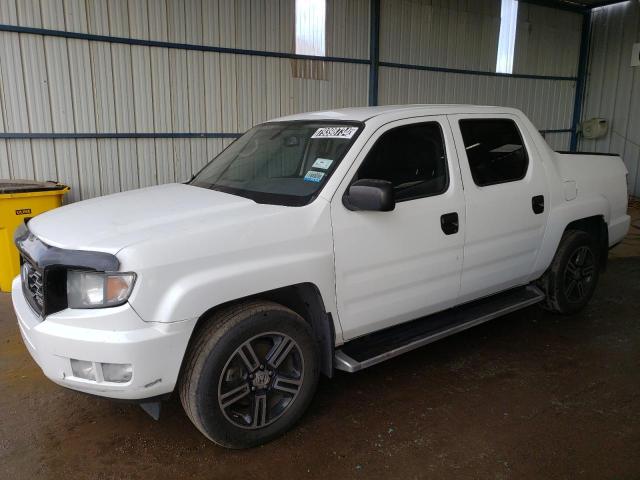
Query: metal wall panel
[(547, 41), (452, 34), (82, 99), (15, 156), (347, 28), (105, 106), (464, 35), (63, 85), (460, 34), (59, 81), (613, 86), (548, 103), (558, 141), (59, 85), (228, 23)]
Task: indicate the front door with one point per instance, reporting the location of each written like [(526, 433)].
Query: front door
[(507, 202), (395, 266)]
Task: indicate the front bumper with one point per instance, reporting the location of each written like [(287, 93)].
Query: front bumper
[(109, 335)]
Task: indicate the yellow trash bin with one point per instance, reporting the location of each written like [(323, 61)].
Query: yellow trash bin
[(21, 200)]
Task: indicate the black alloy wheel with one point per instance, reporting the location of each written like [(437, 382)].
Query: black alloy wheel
[(261, 380), (250, 373), (571, 279), (579, 274)]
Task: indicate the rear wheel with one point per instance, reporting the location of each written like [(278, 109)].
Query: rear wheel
[(571, 279), (250, 375)]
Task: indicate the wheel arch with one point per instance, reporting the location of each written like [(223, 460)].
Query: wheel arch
[(303, 298), (596, 226), (590, 214)]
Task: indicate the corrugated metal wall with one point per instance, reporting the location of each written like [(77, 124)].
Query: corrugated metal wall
[(613, 85), (52, 84), (547, 41), (464, 35)]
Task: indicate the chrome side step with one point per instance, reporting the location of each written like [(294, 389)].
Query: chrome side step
[(377, 347)]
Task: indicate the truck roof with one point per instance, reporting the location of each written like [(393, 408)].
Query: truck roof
[(362, 114)]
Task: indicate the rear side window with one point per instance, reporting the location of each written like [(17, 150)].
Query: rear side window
[(412, 158), (495, 150)]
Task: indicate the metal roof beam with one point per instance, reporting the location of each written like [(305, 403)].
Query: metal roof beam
[(606, 4), (570, 7)]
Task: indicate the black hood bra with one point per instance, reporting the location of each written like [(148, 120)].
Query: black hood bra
[(43, 255)]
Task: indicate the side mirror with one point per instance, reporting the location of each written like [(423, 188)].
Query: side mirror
[(370, 195)]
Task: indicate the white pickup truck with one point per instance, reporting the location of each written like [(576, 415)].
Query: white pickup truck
[(315, 242)]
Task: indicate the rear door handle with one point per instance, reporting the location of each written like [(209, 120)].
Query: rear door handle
[(450, 223), (537, 204)]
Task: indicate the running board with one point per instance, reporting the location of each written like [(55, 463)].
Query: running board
[(379, 346)]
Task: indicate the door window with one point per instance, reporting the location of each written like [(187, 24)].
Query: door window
[(495, 150), (411, 157)]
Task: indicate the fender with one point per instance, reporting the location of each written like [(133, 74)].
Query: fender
[(191, 296), (210, 268), (561, 216), (304, 299)]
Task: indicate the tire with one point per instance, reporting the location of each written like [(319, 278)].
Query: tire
[(240, 399), (571, 279)]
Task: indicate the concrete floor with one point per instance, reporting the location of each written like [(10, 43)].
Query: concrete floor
[(530, 395)]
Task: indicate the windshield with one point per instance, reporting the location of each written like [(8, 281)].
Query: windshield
[(284, 163)]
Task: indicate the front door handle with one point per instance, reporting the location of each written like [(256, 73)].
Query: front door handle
[(537, 204), (450, 223)]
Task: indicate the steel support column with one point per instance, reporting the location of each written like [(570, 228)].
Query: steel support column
[(374, 52), (583, 64)]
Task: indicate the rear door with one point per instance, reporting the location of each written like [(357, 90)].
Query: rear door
[(396, 266), (507, 202)]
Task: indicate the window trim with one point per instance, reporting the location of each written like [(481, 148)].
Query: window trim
[(447, 184), (522, 141)]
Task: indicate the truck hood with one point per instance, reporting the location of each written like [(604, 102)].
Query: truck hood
[(114, 222)]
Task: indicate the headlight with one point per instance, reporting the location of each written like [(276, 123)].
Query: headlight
[(98, 289)]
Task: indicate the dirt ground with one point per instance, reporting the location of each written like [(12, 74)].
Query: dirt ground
[(531, 395)]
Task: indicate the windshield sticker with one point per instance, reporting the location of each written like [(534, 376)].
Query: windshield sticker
[(322, 163), (312, 176), (335, 132)]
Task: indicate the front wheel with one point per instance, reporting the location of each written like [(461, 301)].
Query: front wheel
[(250, 374), (571, 279)]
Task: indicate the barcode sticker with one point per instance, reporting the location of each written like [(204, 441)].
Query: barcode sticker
[(313, 176), (335, 132)]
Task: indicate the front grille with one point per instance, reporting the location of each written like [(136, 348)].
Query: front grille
[(44, 274), (33, 285)]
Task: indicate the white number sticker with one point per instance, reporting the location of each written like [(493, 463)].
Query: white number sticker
[(322, 163), (335, 132)]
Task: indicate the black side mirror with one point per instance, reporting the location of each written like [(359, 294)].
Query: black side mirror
[(371, 195)]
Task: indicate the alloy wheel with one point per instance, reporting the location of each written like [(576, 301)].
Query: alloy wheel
[(579, 274), (261, 380)]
